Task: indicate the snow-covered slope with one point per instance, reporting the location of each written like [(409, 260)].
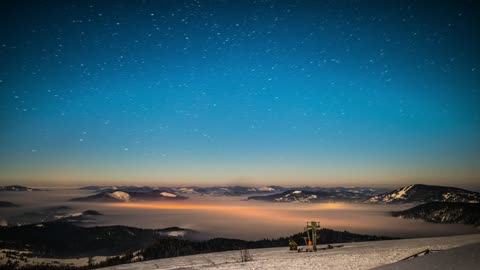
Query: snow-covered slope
[(424, 193), (363, 255), (460, 258)]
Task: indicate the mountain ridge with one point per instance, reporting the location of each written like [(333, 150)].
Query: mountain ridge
[(15, 188), (315, 195), (420, 193), (444, 212), (127, 196), (234, 190)]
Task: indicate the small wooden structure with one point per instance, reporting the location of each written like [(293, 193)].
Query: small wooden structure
[(293, 245)]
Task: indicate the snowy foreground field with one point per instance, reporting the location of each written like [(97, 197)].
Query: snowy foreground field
[(365, 255)]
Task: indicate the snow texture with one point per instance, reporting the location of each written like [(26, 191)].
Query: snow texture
[(365, 255), (460, 258)]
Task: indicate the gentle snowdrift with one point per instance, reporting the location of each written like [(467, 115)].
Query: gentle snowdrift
[(460, 258), (363, 255)]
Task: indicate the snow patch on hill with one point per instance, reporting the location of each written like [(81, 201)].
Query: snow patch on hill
[(176, 234), (402, 193), (167, 194), (68, 215), (120, 195), (187, 190), (399, 194)]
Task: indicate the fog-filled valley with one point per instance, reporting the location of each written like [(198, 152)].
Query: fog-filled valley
[(229, 216)]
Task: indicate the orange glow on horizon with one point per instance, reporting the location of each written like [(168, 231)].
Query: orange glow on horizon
[(228, 210), (271, 212), (190, 206)]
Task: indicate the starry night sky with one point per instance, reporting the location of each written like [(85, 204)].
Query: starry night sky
[(260, 92)]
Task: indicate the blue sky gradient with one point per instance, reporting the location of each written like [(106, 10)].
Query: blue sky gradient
[(257, 92)]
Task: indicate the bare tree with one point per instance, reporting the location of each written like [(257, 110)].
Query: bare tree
[(245, 255), (91, 262)]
